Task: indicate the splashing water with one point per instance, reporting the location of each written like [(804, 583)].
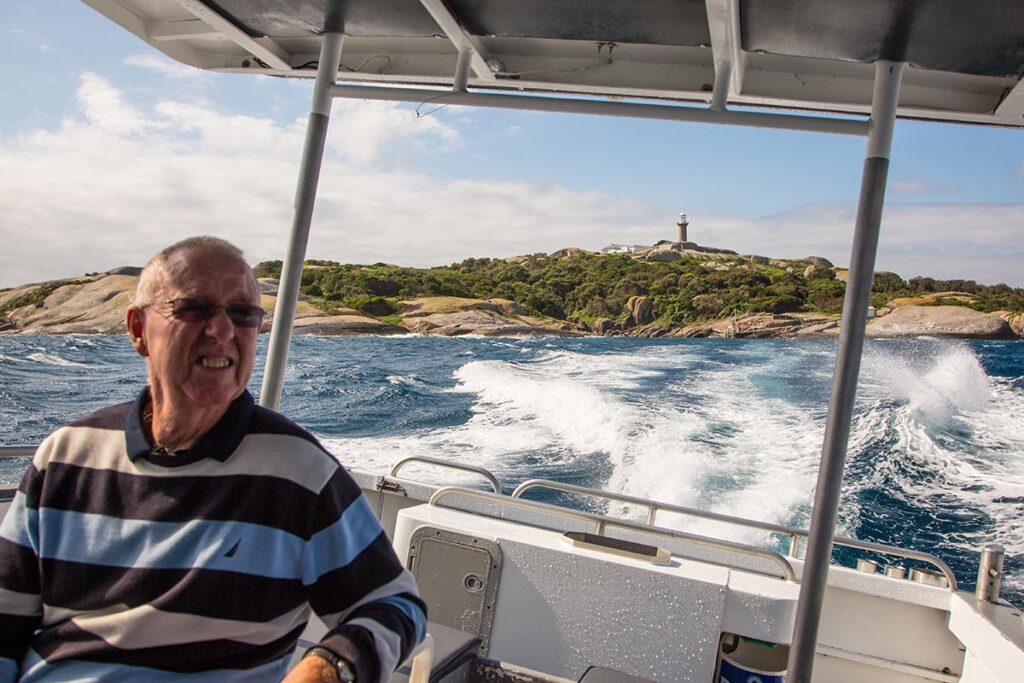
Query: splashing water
[(936, 456), (935, 459), (937, 386)]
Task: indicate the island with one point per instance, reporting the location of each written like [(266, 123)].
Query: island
[(670, 289)]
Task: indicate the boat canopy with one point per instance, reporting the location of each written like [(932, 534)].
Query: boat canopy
[(964, 60)]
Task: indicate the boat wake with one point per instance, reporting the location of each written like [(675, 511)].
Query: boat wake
[(935, 461), (937, 455)]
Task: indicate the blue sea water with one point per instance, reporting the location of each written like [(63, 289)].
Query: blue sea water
[(936, 458)]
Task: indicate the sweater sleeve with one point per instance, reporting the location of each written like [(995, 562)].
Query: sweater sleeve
[(357, 585), (20, 600)]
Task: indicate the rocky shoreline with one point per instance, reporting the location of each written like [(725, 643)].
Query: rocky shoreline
[(95, 304)]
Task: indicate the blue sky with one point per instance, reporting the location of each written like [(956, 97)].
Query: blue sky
[(109, 151)]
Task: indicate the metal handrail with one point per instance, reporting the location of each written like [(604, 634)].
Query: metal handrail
[(451, 465), (793, 533), (17, 451), (653, 507), (603, 522)]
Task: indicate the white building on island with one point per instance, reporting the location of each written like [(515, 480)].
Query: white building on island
[(683, 223), (623, 248)]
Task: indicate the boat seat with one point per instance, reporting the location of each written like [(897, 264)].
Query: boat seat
[(453, 649), (600, 674)]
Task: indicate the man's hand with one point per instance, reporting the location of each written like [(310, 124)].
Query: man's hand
[(312, 670)]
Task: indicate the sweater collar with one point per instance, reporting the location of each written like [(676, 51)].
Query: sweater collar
[(218, 443)]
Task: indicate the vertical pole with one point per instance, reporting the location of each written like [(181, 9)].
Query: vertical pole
[(720, 94), (461, 79), (305, 197), (844, 379)]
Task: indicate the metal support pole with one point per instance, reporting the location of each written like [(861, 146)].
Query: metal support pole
[(305, 197), (719, 96), (844, 379), (461, 79)]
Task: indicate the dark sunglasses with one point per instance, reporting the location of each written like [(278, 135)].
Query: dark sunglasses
[(200, 311)]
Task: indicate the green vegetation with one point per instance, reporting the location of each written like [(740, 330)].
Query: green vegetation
[(591, 286), (984, 298), (34, 297)]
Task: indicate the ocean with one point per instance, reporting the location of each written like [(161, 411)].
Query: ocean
[(936, 458)]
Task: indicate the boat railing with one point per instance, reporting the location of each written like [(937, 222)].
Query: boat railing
[(486, 474), (603, 522), (653, 507), (792, 533)]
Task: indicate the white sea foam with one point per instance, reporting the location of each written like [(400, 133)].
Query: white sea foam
[(562, 404), (935, 386), (557, 407), (713, 444), (729, 450), (51, 359), (404, 379), (955, 437)]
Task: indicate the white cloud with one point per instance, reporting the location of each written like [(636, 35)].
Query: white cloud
[(969, 241), (165, 67), (105, 109), (114, 182), (230, 134), (360, 130)]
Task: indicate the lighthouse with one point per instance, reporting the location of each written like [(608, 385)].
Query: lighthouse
[(683, 225)]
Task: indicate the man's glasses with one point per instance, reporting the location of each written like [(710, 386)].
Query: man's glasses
[(200, 311)]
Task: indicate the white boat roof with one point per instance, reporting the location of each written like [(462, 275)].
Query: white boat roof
[(965, 59)]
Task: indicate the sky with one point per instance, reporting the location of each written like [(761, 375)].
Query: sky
[(110, 151)]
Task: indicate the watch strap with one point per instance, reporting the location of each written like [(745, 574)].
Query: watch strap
[(346, 672)]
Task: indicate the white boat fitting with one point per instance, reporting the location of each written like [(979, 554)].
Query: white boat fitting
[(549, 591)]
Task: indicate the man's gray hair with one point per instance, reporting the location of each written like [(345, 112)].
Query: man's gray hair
[(152, 276)]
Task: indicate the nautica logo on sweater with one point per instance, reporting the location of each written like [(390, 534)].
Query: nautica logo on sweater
[(234, 549)]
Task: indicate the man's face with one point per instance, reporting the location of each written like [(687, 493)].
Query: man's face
[(198, 367)]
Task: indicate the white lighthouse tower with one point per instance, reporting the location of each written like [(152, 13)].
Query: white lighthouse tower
[(683, 224)]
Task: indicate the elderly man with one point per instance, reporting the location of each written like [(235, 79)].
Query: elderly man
[(188, 533)]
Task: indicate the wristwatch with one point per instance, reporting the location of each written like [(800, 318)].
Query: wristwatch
[(346, 672)]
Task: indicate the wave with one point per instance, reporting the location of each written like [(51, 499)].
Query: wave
[(608, 420), (403, 379), (939, 451), (52, 359), (936, 386)]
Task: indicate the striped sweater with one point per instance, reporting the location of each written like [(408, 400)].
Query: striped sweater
[(118, 563)]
